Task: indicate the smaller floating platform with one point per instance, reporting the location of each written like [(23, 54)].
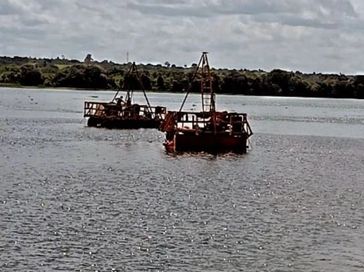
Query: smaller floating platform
[(125, 114)]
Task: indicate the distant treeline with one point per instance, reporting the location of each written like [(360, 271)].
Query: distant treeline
[(24, 71)]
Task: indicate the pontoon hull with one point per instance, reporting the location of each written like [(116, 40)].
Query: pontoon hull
[(122, 123), (213, 143)]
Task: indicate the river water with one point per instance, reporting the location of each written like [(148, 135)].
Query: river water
[(74, 198)]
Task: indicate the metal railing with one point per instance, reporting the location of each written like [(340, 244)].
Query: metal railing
[(114, 110), (209, 122)]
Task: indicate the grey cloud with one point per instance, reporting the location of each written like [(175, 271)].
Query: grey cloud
[(337, 7), (167, 10), (7, 7), (295, 21), (205, 8), (303, 35), (313, 13)]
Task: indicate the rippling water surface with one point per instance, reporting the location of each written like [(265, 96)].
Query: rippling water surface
[(74, 198)]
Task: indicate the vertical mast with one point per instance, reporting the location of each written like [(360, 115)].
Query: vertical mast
[(129, 85), (203, 74), (132, 75), (134, 71), (207, 92)]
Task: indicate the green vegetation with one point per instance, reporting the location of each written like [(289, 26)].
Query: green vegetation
[(23, 71)]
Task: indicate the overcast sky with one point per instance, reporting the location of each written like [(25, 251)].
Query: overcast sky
[(305, 35)]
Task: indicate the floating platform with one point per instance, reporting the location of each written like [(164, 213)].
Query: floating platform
[(125, 114), (208, 130), (213, 132)]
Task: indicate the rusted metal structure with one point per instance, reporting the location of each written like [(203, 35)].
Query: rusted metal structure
[(208, 130), (123, 114)]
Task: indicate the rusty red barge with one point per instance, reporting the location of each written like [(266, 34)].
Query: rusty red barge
[(124, 114), (208, 130)]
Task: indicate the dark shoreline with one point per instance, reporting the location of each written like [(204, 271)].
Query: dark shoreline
[(19, 72), (70, 89)]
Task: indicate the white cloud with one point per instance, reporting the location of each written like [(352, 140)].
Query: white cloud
[(307, 35)]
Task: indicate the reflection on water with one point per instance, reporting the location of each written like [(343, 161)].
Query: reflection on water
[(78, 198)]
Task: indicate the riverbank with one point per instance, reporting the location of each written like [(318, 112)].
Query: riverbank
[(107, 75)]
